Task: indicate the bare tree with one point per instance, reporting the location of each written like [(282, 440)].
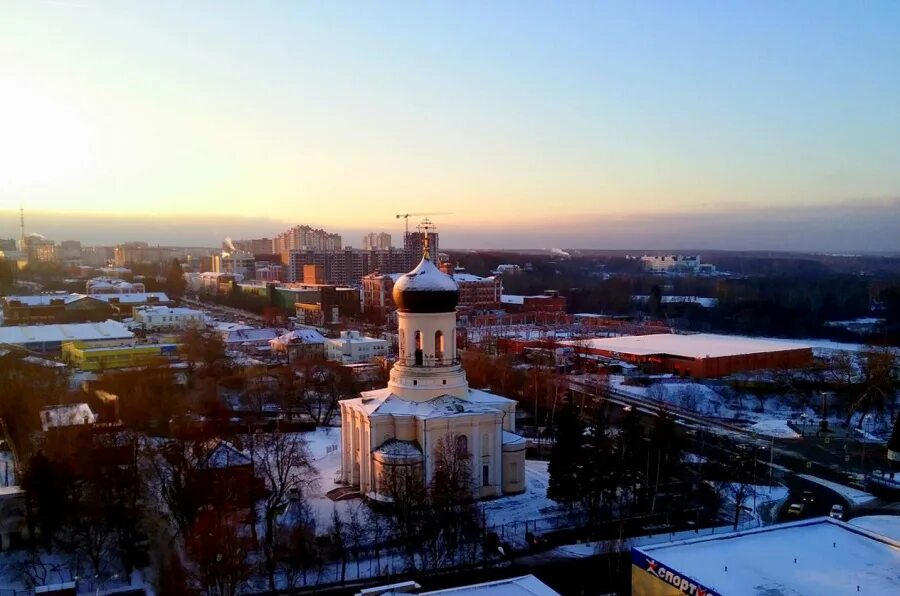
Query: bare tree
[(220, 547), (283, 462), (339, 539)]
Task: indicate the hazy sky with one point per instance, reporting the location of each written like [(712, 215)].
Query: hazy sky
[(607, 124)]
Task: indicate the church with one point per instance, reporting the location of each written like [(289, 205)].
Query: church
[(428, 403)]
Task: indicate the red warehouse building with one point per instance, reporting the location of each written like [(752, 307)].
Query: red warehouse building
[(701, 355)]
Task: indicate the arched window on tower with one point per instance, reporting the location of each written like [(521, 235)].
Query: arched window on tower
[(419, 348), (439, 345)]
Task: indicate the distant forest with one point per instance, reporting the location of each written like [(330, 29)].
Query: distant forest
[(779, 295)]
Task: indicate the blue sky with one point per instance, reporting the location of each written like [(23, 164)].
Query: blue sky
[(526, 120)]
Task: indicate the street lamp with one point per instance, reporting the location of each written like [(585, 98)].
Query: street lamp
[(866, 420)]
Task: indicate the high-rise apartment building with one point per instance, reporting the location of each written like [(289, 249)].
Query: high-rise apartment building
[(140, 252), (69, 252), (414, 242), (347, 266), (256, 246), (376, 241), (304, 238), (40, 249)]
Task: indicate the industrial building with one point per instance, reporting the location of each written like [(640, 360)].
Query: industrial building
[(699, 356), (676, 265), (58, 307), (62, 307), (809, 557), (549, 301), (85, 356), (48, 339)]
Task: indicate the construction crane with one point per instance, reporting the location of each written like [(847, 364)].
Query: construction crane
[(406, 217)]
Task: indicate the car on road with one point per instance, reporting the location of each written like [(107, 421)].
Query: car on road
[(796, 509), (837, 511), (807, 497)]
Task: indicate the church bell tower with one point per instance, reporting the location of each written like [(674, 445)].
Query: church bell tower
[(428, 365)]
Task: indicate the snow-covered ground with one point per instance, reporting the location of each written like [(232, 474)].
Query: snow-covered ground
[(853, 496), (324, 445), (531, 505), (886, 525), (767, 417)]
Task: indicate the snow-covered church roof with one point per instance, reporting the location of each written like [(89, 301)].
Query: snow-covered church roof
[(382, 402)]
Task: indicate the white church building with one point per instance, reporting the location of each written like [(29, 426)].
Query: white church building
[(428, 401)]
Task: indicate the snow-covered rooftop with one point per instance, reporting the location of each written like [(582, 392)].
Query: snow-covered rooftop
[(701, 345), (169, 310), (44, 299), (27, 334), (463, 276), (512, 299), (302, 336), (396, 448), (224, 455), (381, 402), (66, 415), (810, 557), (526, 585), (699, 300), (132, 298), (238, 336), (886, 525)]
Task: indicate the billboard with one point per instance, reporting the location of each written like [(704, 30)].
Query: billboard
[(649, 577)]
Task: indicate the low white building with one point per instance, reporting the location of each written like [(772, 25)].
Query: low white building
[(351, 348), (164, 317)]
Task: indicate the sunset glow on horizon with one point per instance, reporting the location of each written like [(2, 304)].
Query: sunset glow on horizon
[(517, 114)]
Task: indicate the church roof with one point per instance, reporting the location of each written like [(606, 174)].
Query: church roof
[(426, 289), (400, 449), (382, 402), (486, 397), (426, 278)]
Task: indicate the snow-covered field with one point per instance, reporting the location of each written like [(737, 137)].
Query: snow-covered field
[(886, 525)]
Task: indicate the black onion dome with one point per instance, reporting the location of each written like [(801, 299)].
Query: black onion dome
[(426, 289)]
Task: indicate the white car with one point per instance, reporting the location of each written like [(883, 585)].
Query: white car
[(795, 509), (837, 511)]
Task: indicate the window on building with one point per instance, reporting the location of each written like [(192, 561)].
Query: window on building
[(514, 472), (439, 345), (485, 475), (462, 446), (418, 354)]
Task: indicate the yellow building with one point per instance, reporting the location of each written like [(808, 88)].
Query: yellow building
[(86, 356)]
